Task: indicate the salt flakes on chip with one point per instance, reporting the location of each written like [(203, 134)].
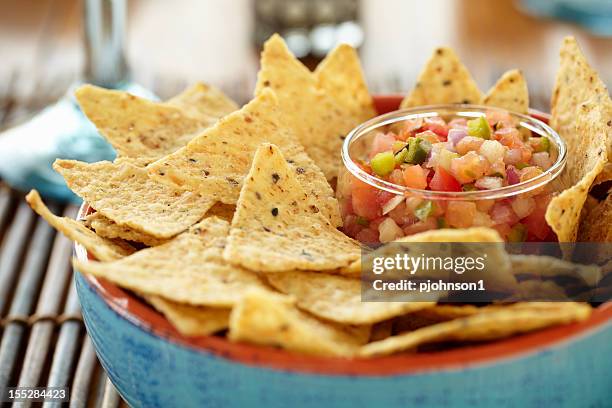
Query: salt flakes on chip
[(338, 298), (321, 123), (482, 326), (273, 320), (216, 162), (137, 127), (509, 92), (278, 226), (101, 248), (443, 80), (188, 269), (125, 194)]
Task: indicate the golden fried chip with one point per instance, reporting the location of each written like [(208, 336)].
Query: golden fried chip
[(381, 330), (482, 326), (125, 194), (109, 229), (278, 226), (338, 298), (216, 162), (596, 224), (443, 80), (509, 92), (341, 76), (188, 269), (203, 102), (273, 320), (542, 266), (585, 161), (576, 83), (474, 241), (101, 248), (320, 122), (137, 127), (223, 211), (191, 320)]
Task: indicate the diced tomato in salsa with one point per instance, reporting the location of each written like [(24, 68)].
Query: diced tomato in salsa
[(443, 181)]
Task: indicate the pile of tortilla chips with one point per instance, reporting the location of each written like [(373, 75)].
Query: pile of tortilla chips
[(223, 219)]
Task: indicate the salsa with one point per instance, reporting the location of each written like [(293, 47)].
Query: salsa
[(455, 155)]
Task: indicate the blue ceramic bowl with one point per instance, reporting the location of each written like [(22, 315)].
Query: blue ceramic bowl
[(152, 365)]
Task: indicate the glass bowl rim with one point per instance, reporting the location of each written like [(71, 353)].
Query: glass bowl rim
[(420, 111)]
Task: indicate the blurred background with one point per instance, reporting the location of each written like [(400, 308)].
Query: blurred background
[(171, 44)]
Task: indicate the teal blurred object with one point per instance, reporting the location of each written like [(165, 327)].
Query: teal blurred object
[(61, 130), (593, 15)]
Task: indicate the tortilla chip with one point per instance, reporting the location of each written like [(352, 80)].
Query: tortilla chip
[(606, 174), (191, 320), (223, 211), (576, 83), (273, 320), (338, 298), (101, 248), (204, 102), (216, 162), (542, 266), (278, 226), (341, 76), (137, 127), (320, 123), (125, 194), (497, 274), (509, 92), (596, 225), (443, 80), (188, 269), (381, 330), (107, 228), (483, 326), (587, 156)]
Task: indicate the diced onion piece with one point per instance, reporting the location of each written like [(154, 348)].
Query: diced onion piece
[(455, 135), (469, 143), (392, 203), (512, 175), (388, 231), (482, 219), (492, 150), (513, 156), (542, 160), (489, 183)]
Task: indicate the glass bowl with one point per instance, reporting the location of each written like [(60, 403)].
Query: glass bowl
[(375, 209)]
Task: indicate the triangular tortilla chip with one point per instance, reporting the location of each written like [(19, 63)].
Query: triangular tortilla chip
[(320, 123), (509, 92), (188, 269), (338, 298), (341, 76), (278, 226), (443, 80), (216, 162), (596, 224), (204, 102), (576, 83), (109, 229), (137, 127), (593, 126), (482, 326), (191, 320), (125, 194), (101, 248), (273, 320)]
